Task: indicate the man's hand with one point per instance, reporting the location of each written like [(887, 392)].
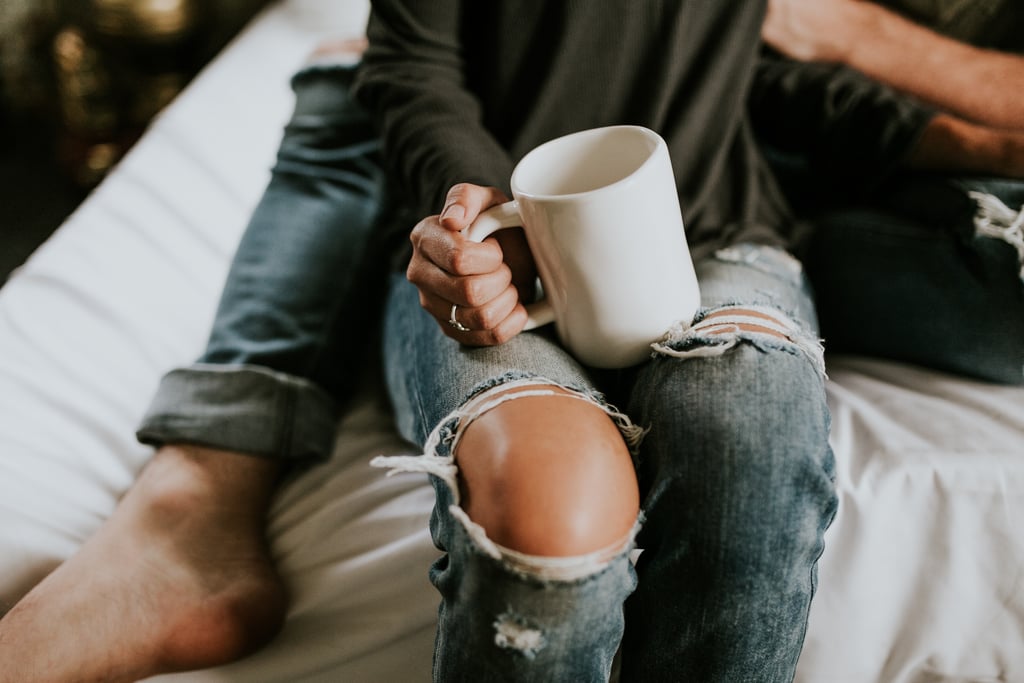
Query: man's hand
[(810, 30), (482, 280)]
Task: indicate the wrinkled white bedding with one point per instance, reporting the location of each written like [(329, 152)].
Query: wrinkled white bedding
[(921, 581)]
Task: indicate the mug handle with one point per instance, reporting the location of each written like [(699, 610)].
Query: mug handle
[(507, 216)]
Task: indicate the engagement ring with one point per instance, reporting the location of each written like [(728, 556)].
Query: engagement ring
[(455, 323)]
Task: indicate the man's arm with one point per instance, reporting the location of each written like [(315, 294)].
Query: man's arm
[(949, 143), (853, 130), (980, 85)]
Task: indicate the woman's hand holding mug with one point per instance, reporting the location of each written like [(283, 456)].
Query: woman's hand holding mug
[(601, 216), (481, 280)]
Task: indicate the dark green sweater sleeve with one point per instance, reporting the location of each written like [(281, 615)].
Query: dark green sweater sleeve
[(848, 127), (413, 84)]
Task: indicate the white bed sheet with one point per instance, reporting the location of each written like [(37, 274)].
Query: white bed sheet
[(921, 581)]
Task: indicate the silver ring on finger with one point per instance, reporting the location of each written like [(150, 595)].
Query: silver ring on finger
[(455, 323)]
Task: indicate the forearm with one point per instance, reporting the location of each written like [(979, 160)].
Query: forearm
[(979, 85), (412, 82), (852, 130), (952, 144)]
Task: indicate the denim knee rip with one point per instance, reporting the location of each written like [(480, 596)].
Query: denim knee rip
[(716, 330), (996, 220), (438, 459)]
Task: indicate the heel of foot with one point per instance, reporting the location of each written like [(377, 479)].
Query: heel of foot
[(226, 627)]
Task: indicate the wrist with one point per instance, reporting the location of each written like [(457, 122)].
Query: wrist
[(811, 30), (1011, 153), (955, 145), (856, 27)]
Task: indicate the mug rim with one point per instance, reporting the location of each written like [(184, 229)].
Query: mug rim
[(518, 192)]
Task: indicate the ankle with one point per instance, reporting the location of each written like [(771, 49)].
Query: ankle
[(216, 500), (182, 474)]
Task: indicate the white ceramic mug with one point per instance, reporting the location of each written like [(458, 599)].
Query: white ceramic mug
[(601, 214)]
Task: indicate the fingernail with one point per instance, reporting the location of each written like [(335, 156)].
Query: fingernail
[(453, 211)]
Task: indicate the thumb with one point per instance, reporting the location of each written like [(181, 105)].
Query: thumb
[(465, 202)]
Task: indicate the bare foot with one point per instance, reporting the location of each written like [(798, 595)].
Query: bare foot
[(178, 578)]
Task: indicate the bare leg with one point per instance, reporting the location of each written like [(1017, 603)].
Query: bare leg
[(548, 476), (537, 594), (178, 578)]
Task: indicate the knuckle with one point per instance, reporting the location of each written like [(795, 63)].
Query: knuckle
[(474, 290), (416, 234), (419, 238), (497, 337), (413, 273), (505, 273), (458, 260), (514, 323), (485, 318)]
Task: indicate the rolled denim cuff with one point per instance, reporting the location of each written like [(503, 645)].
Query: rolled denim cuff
[(243, 408)]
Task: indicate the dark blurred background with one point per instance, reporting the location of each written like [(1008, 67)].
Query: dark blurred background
[(79, 82)]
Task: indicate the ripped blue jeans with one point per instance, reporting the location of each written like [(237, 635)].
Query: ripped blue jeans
[(289, 338), (931, 271), (735, 476)]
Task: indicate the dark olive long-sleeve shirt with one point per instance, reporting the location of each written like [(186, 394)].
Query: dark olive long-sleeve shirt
[(462, 89)]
